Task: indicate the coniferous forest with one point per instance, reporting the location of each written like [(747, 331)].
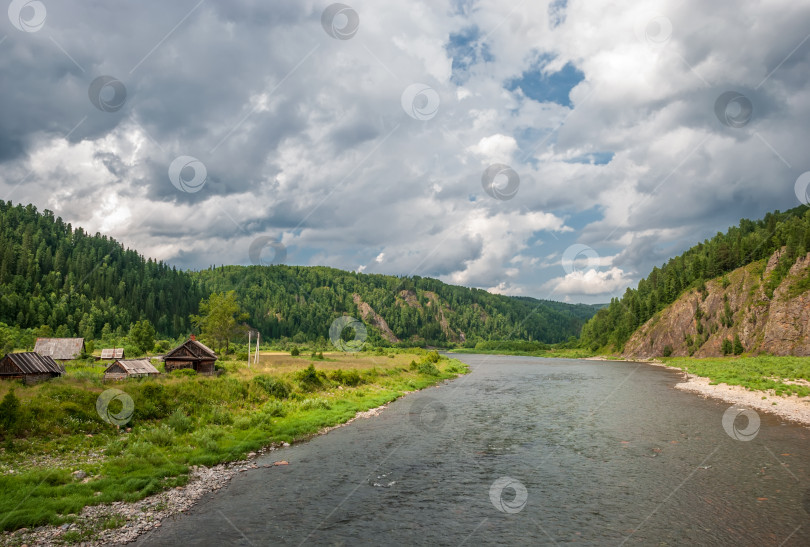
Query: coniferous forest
[(62, 281), (749, 242)]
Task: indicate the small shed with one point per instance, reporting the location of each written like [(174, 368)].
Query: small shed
[(191, 354), (130, 368), (112, 353), (60, 349), (30, 367)]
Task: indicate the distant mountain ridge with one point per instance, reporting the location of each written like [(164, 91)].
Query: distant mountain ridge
[(77, 284)]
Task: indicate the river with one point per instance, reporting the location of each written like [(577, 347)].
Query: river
[(526, 451)]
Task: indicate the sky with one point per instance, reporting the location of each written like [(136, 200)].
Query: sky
[(558, 150)]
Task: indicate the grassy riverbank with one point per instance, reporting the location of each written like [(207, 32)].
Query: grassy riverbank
[(180, 420), (565, 353), (783, 375)]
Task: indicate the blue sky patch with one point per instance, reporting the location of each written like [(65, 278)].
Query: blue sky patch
[(594, 158), (466, 50), (548, 87)]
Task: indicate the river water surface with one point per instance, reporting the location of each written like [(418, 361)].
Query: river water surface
[(525, 451)]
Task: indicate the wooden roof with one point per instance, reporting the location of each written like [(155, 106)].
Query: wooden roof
[(30, 362), (195, 347), (112, 353), (135, 366), (59, 348)]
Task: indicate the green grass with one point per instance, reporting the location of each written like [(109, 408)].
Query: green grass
[(760, 373), (179, 421)]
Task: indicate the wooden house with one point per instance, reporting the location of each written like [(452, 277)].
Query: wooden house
[(191, 354), (30, 367), (112, 353), (130, 368), (60, 349)]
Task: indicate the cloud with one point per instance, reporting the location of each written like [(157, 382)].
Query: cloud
[(590, 282), (606, 111)]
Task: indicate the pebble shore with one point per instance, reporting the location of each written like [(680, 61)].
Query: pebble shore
[(147, 514)]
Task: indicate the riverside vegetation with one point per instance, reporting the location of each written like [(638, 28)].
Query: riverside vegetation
[(52, 435)]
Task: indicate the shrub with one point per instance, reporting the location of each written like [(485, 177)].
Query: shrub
[(728, 347), (432, 357), (309, 378), (427, 367), (667, 351), (9, 414), (274, 408), (180, 422), (272, 386), (348, 378), (184, 372), (159, 436), (413, 365), (315, 403), (220, 416), (295, 352)]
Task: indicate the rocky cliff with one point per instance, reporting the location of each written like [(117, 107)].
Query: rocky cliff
[(744, 304)]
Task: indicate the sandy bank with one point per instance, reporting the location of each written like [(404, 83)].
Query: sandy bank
[(796, 409)]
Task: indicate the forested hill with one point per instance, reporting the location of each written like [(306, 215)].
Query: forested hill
[(77, 284), (286, 300), (748, 243)]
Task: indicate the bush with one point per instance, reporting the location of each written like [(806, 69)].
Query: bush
[(316, 403), (9, 414), (274, 408), (728, 347), (272, 386), (427, 367), (184, 372), (413, 365), (295, 352), (667, 351), (180, 422), (348, 378), (309, 378), (432, 357), (159, 436), (220, 416)]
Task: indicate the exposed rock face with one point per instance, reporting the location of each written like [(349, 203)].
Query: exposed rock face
[(368, 314), (779, 325)]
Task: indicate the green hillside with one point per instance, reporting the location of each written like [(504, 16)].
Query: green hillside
[(741, 245), (59, 280)]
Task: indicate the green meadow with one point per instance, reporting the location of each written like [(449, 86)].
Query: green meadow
[(179, 420)]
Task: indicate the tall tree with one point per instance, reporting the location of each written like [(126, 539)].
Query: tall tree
[(142, 335), (219, 319)]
